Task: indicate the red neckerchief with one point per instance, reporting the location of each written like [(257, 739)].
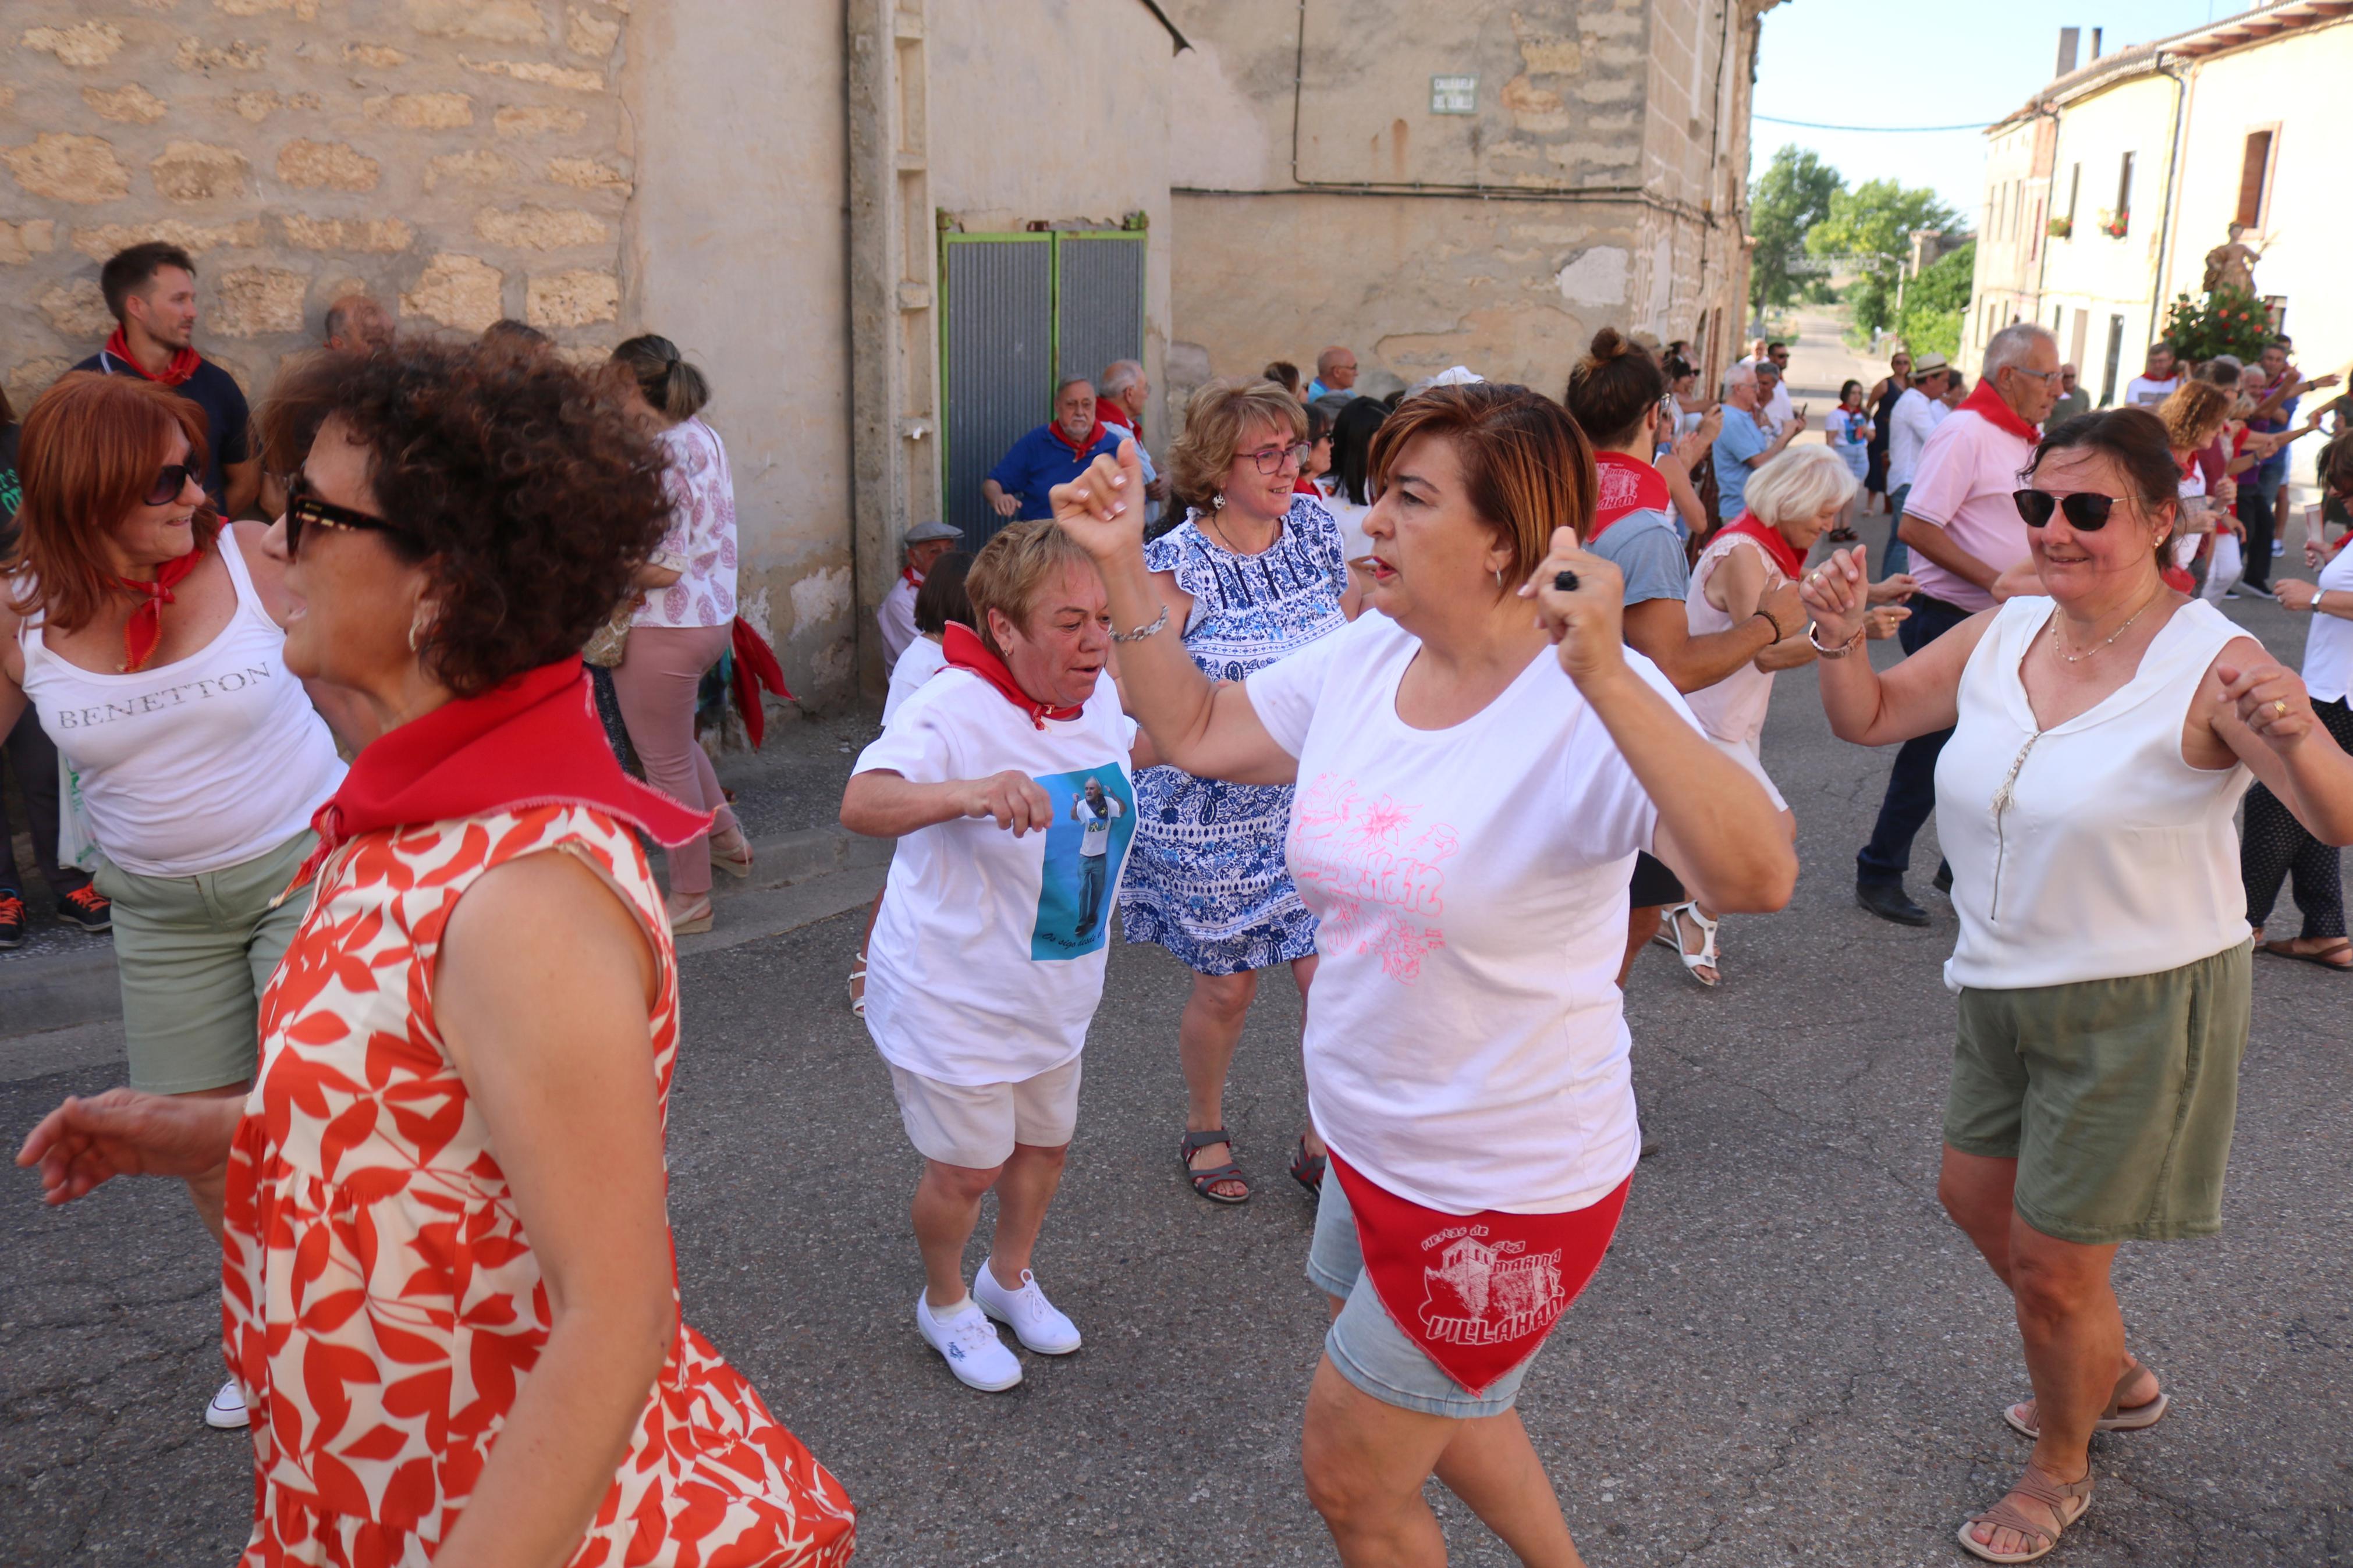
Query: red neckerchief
[(1304, 486), (965, 650), (1777, 550), (1626, 485), (755, 667), (1477, 1293), (1078, 449), (182, 364), (910, 576), (534, 741), (145, 632), (1985, 403), (1110, 413)]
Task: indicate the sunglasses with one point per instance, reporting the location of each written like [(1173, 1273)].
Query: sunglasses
[(305, 509), (170, 481), (2087, 513)]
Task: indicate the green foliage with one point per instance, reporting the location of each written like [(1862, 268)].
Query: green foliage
[(2229, 321), (1877, 220), (1784, 204), (1934, 304)]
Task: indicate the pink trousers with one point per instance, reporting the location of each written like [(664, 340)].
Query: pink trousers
[(655, 682)]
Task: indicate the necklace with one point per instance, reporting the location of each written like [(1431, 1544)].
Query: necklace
[(1217, 527), (2079, 658)]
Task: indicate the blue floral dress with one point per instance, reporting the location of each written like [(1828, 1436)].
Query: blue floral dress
[(1205, 877)]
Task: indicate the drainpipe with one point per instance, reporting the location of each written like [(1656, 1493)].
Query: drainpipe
[(2165, 208)]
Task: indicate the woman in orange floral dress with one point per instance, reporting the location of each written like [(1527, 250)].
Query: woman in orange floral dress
[(447, 1285)]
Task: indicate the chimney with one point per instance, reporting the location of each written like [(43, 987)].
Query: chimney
[(2068, 38), (2095, 43)]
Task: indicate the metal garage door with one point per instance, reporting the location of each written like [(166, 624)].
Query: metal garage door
[(1022, 311)]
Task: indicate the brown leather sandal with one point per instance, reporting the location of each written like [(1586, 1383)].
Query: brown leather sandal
[(2117, 1417), (1203, 1180), (2059, 1503)]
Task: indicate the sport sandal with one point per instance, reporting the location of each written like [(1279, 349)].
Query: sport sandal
[(2059, 1503), (1204, 1180), (1671, 937), (2117, 1417)]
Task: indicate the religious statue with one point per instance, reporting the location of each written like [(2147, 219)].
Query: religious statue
[(2232, 264)]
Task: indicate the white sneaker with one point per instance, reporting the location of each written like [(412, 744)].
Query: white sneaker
[(970, 1347), (1034, 1319), (227, 1412)]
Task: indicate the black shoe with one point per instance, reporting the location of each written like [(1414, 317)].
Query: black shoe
[(87, 909), (1650, 1146), (1943, 880), (12, 920), (1889, 902)]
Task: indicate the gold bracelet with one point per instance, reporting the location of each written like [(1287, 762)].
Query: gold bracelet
[(1814, 641)]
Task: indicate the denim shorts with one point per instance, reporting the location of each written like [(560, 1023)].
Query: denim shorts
[(1366, 1344)]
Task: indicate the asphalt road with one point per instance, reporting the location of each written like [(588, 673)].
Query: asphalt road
[(1789, 1357)]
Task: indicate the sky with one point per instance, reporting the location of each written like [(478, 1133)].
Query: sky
[(1839, 62)]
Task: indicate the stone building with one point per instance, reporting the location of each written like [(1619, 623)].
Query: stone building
[(2145, 156), (1484, 183), (884, 226)]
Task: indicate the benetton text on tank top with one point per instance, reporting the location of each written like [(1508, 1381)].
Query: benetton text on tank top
[(162, 697)]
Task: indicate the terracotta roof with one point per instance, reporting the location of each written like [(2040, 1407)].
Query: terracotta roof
[(2254, 26)]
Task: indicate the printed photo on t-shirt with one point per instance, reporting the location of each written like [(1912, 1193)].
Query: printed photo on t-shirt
[(1094, 818)]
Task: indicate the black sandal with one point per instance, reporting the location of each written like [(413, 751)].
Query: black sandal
[(1203, 1180), (1307, 1170)]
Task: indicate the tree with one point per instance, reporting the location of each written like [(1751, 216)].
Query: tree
[(1876, 220), (1935, 302), (1793, 195)]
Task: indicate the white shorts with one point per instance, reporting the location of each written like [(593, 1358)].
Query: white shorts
[(977, 1125)]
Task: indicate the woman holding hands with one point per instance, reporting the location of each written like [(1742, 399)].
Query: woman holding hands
[(1478, 759), (2105, 731)]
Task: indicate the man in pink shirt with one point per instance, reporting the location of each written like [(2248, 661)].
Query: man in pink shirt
[(1969, 553)]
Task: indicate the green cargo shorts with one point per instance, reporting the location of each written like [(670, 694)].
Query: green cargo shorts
[(192, 955), (2115, 1097)]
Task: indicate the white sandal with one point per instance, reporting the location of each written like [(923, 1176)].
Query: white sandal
[(1671, 936), (858, 989)]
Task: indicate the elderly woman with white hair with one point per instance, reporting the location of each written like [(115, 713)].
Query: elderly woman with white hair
[(1792, 500)]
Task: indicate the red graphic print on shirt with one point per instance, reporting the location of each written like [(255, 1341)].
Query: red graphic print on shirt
[(1371, 870)]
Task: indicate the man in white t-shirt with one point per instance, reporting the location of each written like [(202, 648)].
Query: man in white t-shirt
[(1773, 386), (2159, 380), (1917, 413), (895, 615), (1005, 778)]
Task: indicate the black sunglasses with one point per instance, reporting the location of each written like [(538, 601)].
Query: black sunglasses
[(305, 509), (170, 481), (2087, 513)]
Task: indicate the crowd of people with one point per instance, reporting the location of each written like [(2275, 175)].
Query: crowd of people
[(401, 999)]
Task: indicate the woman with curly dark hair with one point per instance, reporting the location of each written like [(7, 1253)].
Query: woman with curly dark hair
[(448, 1284)]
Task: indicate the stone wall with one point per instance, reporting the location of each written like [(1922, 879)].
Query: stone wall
[(458, 159)]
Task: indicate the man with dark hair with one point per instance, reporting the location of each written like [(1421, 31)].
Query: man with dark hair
[(1053, 454), (151, 290)]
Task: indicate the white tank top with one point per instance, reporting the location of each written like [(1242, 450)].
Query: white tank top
[(1734, 708), (2089, 850), (192, 766)]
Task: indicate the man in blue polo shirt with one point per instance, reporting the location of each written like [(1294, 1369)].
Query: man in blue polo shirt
[(151, 290), (1745, 445), (1053, 454)]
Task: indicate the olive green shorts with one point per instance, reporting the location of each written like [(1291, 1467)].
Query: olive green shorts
[(2115, 1097), (192, 955)]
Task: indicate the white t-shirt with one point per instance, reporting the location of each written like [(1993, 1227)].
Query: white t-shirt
[(923, 660), (983, 967), (1355, 543), (1910, 423), (2328, 646), (2141, 392), (1466, 1049)]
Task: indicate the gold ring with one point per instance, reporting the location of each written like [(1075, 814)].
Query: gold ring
[(2279, 708)]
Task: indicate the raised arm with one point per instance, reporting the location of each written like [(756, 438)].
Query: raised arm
[(1919, 697), (1717, 827), (1211, 731)]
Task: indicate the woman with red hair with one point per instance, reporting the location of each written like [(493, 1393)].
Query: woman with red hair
[(149, 638)]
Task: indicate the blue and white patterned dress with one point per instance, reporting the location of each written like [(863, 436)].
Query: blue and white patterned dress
[(1205, 875)]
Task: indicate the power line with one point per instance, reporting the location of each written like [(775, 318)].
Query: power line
[(1871, 129)]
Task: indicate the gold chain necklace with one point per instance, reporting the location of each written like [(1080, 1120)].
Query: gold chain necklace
[(2079, 658)]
